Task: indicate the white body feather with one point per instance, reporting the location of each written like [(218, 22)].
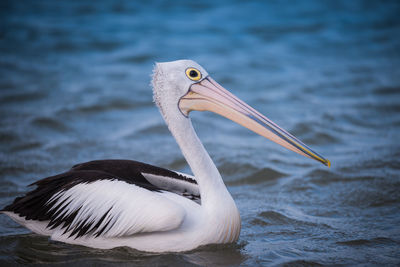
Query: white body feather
[(142, 219)]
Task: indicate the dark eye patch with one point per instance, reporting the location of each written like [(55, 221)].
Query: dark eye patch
[(193, 74)]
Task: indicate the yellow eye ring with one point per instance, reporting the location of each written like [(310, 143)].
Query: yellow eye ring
[(193, 74)]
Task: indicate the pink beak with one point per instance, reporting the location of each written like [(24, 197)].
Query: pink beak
[(209, 95)]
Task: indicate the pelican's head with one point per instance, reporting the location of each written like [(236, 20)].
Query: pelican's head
[(183, 85), (172, 80)]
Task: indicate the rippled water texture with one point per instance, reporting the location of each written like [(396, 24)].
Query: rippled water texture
[(74, 86)]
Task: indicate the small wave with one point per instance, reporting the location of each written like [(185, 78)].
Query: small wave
[(385, 106), (368, 242), (109, 105), (320, 138), (259, 222), (326, 177), (298, 263), (310, 135), (271, 32), (8, 138), (67, 46), (49, 123), (301, 128), (153, 129), (178, 164), (28, 145), (387, 91), (258, 177), (103, 45), (388, 160), (232, 167), (102, 106), (142, 58), (276, 218), (20, 98), (217, 255)]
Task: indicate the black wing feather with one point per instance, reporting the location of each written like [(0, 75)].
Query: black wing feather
[(35, 204)]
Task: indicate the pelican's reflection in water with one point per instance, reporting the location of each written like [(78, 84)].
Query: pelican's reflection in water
[(36, 249), (220, 255)]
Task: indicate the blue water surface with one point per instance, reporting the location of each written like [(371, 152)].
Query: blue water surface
[(74, 86)]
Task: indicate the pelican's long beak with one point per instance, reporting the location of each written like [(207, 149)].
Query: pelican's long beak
[(209, 95)]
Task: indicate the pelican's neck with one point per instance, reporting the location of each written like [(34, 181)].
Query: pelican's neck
[(211, 185)]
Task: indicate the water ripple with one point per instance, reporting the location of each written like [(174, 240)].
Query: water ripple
[(258, 177), (369, 242)]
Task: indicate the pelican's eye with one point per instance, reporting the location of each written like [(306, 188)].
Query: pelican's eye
[(193, 74)]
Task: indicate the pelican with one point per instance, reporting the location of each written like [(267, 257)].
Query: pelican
[(112, 203)]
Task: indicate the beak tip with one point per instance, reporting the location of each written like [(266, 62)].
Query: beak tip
[(328, 163)]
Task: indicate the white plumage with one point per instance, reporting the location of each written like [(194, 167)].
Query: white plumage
[(115, 199)]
